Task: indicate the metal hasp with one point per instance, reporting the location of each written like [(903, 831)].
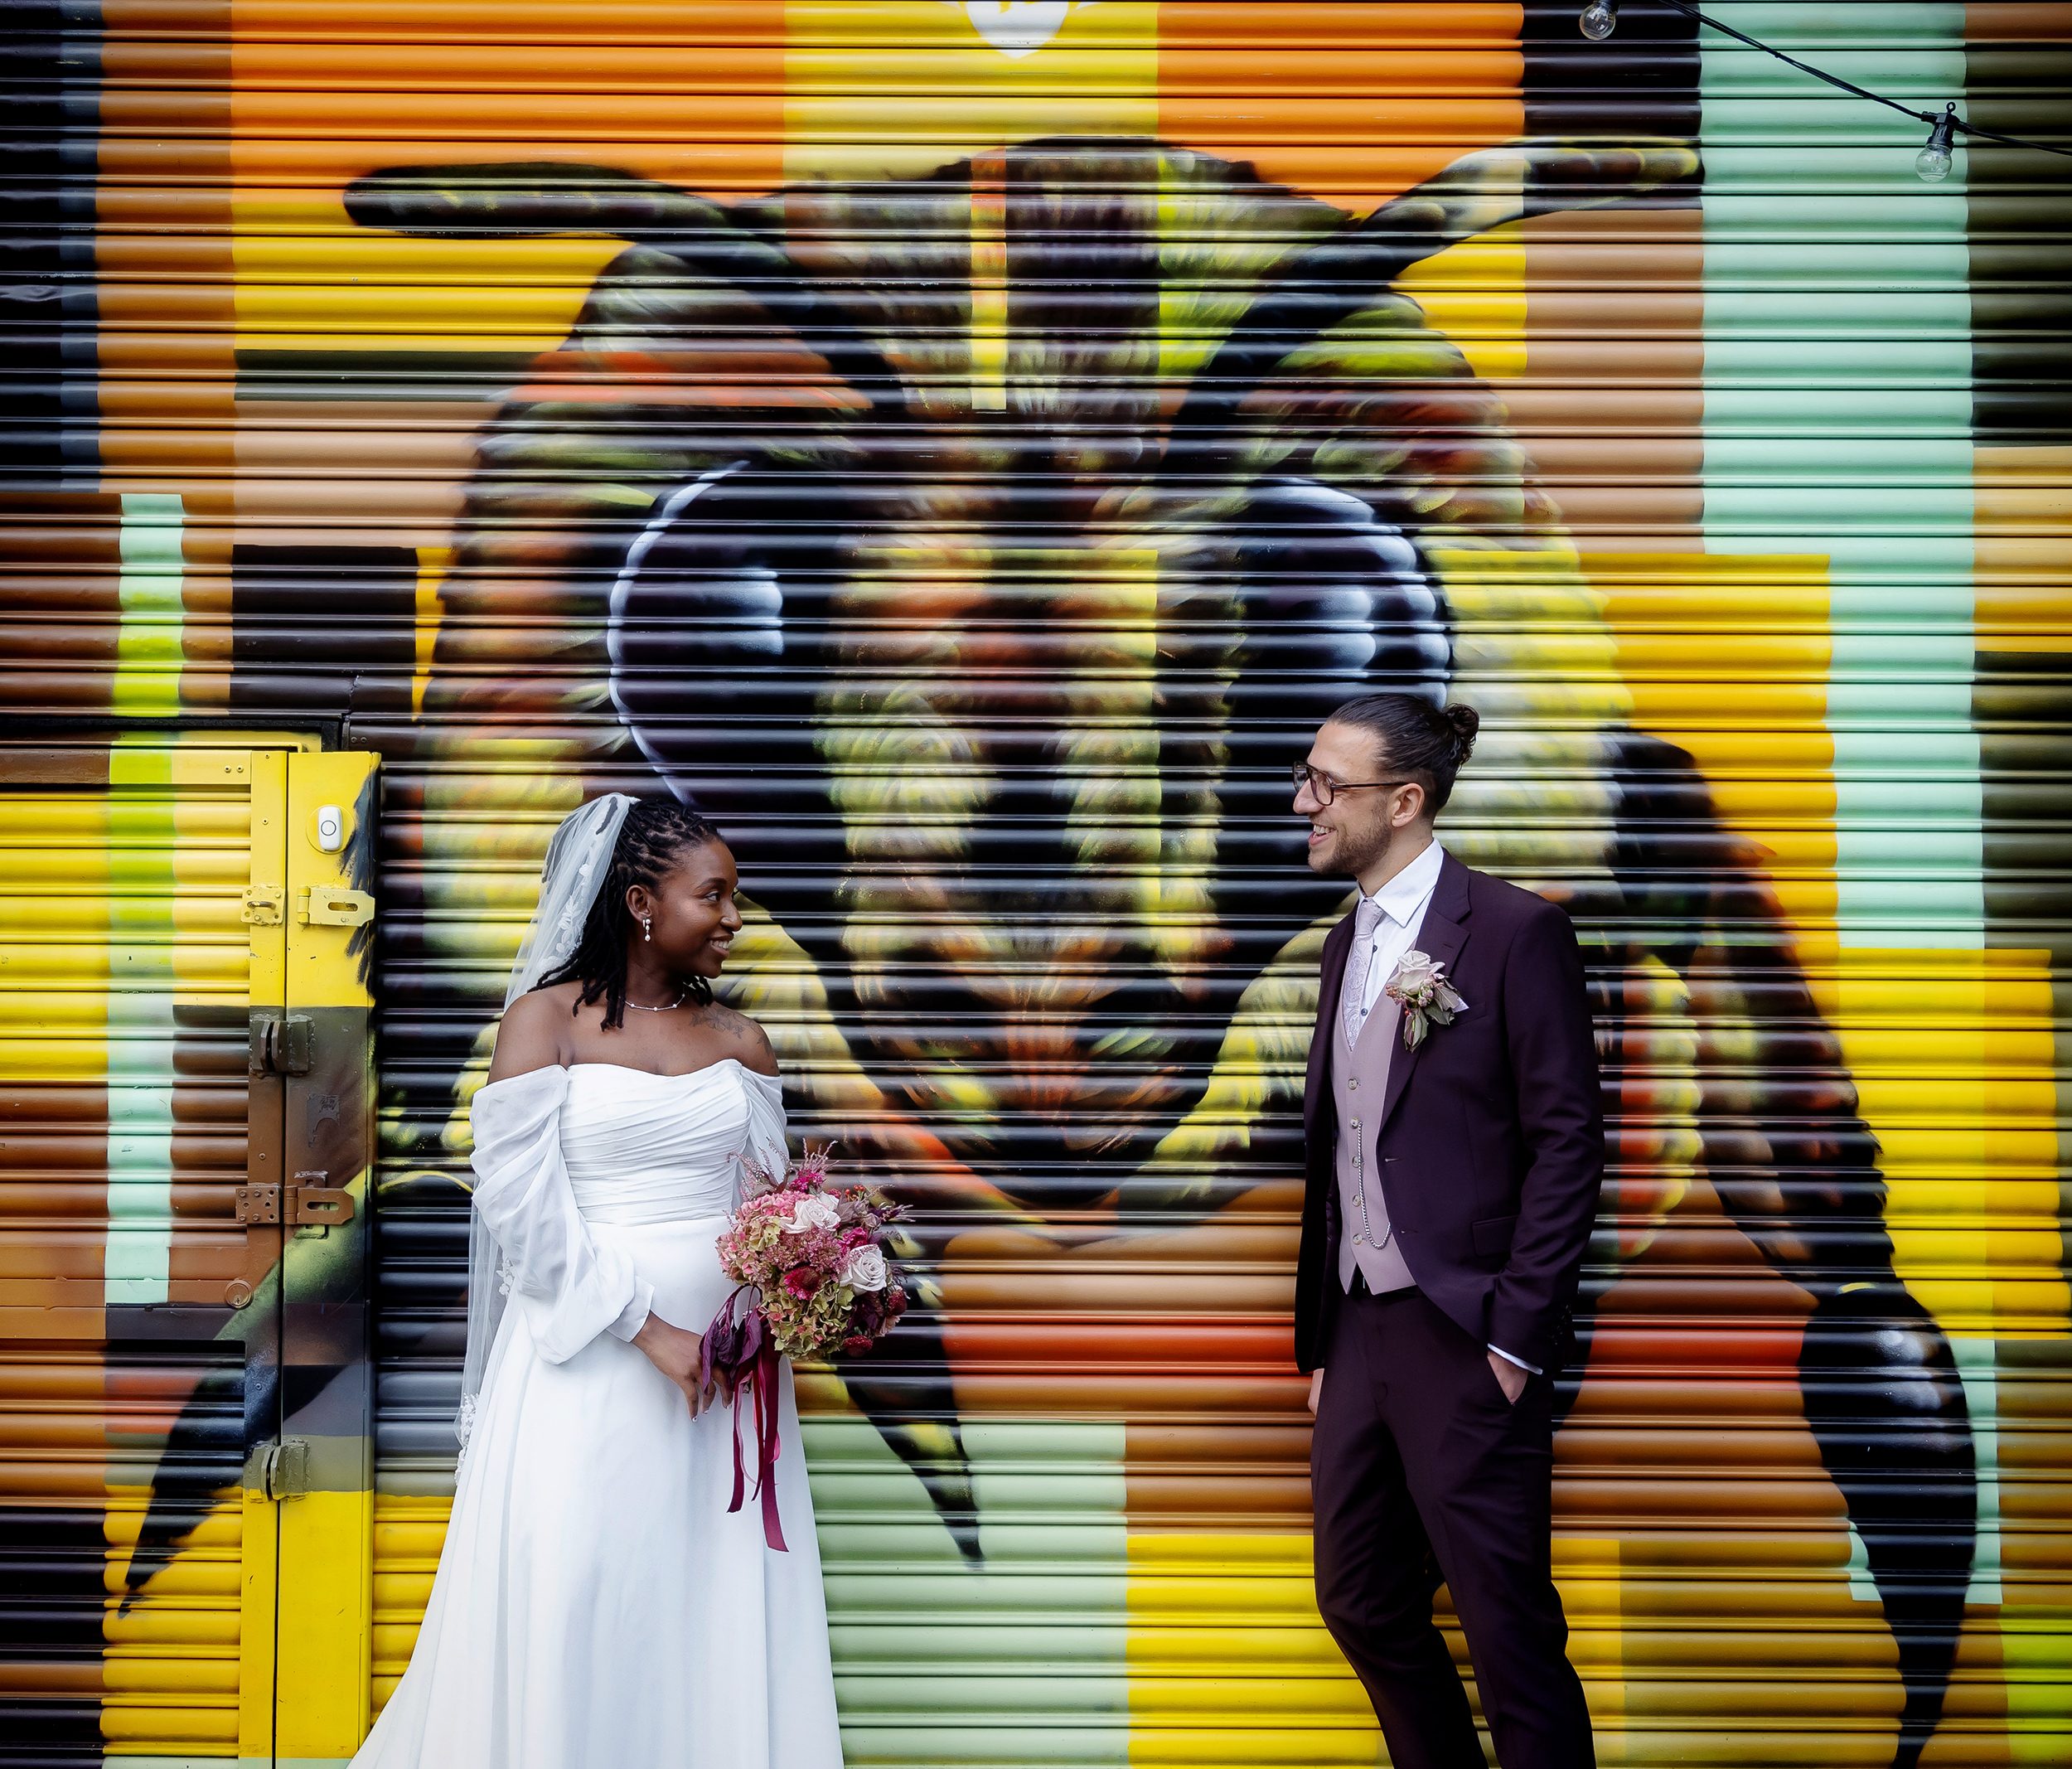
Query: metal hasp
[(265, 905), (297, 1206), (333, 906)]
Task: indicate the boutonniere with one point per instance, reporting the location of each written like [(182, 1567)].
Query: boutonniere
[(1419, 983)]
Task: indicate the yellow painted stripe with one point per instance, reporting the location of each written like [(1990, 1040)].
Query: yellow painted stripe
[(1952, 1055), (1230, 1662), (171, 1657), (891, 88), (1475, 293), (433, 564)]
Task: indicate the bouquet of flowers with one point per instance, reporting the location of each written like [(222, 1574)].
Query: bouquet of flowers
[(809, 1259)]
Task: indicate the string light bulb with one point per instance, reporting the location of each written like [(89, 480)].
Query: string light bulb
[(1933, 161), (1599, 19)]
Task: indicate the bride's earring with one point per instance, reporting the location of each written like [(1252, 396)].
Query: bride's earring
[(647, 927)]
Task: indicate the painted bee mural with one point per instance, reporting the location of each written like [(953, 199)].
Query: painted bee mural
[(978, 549)]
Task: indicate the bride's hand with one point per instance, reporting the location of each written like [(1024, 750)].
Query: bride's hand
[(675, 1354)]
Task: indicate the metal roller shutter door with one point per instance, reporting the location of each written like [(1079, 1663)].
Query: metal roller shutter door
[(966, 447), (155, 1351), (126, 997)]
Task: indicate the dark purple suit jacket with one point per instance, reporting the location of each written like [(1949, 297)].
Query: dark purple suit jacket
[(1492, 1138)]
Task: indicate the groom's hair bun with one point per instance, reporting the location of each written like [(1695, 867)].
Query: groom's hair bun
[(1465, 721), (1415, 740)]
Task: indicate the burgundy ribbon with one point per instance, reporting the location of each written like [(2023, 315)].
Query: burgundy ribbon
[(762, 1378), (739, 1347)]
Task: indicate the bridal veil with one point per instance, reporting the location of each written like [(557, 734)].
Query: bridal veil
[(579, 858)]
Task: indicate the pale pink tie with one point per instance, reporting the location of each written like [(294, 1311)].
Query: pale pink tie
[(1367, 921)]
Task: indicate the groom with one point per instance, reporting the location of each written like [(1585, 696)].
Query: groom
[(1454, 1157)]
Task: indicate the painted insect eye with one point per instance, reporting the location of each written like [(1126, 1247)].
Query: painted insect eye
[(692, 598), (1330, 588), (714, 638), (1332, 600)]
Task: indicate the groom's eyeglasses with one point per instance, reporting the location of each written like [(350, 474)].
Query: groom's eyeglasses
[(1324, 788)]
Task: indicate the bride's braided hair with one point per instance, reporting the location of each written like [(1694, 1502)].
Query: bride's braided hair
[(657, 832)]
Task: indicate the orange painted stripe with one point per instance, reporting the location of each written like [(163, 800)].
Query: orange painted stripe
[(2019, 23), (1179, 1345), (751, 21), (1351, 103), (1319, 25), (324, 94), (2023, 548)]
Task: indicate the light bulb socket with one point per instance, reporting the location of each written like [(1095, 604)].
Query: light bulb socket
[(1932, 162)]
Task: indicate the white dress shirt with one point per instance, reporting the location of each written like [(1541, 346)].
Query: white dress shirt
[(1403, 902)]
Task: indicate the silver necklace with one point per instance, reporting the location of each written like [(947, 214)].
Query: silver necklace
[(683, 995)]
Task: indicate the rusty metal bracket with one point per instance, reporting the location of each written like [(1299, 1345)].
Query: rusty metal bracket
[(299, 1206), (259, 1204)]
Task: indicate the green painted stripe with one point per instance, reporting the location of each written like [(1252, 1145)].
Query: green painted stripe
[(1978, 1365), (150, 647), (141, 981), (1034, 1670), (1838, 420)]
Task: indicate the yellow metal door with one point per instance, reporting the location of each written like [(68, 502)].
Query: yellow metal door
[(324, 1546), (184, 1134)]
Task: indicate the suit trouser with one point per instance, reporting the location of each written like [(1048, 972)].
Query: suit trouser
[(1422, 1471)]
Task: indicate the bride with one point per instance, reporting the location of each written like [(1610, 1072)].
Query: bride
[(596, 1606)]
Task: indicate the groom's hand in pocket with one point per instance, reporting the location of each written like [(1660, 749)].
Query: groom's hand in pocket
[(675, 1354), (1511, 1378)]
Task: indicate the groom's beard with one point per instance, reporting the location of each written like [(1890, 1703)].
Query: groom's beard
[(1354, 850)]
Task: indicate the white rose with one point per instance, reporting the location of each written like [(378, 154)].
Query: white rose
[(813, 1211), (1415, 970), (863, 1268)]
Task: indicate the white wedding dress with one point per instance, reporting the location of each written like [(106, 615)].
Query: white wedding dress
[(596, 1606)]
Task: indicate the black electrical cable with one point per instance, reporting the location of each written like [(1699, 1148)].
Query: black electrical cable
[(1836, 80)]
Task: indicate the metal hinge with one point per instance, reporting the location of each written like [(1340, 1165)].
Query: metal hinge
[(283, 1044), (334, 906), (264, 904), (281, 1470), (294, 1206)]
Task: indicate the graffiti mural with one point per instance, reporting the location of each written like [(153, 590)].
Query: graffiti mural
[(969, 476), (1006, 665)]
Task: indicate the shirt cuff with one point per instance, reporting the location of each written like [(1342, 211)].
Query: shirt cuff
[(1530, 1368), (634, 1317)]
